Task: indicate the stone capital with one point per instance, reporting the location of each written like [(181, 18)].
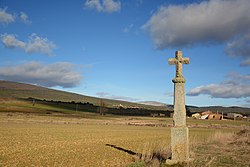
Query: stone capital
[(179, 80)]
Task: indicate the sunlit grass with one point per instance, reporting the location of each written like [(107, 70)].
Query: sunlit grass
[(44, 144), (52, 140)]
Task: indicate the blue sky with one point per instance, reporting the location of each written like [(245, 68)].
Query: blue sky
[(119, 49)]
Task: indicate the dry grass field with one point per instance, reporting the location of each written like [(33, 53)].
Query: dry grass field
[(58, 140)]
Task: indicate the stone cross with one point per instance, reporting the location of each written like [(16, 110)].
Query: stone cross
[(179, 133), (178, 61)]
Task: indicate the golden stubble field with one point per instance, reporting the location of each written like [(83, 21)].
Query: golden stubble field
[(42, 140)]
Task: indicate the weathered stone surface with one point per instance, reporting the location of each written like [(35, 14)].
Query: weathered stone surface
[(179, 105), (180, 143), (178, 61), (179, 133)]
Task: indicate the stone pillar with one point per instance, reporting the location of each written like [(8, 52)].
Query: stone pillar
[(179, 102), (179, 132)]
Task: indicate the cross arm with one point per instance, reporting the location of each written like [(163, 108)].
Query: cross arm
[(172, 61), (185, 60)]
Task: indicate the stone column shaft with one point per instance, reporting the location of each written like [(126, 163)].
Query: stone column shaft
[(179, 133), (179, 105)]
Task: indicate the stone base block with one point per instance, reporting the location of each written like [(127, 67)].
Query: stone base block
[(180, 144), (188, 163)]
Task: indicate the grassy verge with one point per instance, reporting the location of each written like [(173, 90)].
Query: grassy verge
[(230, 149)]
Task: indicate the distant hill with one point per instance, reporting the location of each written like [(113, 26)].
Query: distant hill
[(24, 91), (15, 90), (153, 103)]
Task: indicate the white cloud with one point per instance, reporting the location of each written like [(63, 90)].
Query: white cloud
[(111, 6), (24, 18), (94, 4), (238, 86), (245, 62), (222, 91), (6, 18), (40, 45), (206, 22), (238, 78), (240, 46), (10, 41), (35, 44), (56, 74), (108, 6)]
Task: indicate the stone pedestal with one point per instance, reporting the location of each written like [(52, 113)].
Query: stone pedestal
[(180, 144)]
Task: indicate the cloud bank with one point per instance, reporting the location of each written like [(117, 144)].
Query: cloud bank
[(208, 21), (56, 74), (238, 86), (108, 6), (35, 44)]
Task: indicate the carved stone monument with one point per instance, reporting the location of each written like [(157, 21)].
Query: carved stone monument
[(179, 133)]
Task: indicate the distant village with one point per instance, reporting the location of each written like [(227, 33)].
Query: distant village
[(219, 116)]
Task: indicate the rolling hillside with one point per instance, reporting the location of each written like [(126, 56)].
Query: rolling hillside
[(14, 90), (20, 91)]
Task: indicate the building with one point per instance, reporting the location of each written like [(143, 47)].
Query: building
[(234, 116)]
